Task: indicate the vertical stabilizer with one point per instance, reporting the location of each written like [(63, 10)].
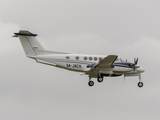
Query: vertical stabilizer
[(29, 43)]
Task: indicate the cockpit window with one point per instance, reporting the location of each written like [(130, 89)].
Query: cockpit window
[(122, 60), (119, 60)]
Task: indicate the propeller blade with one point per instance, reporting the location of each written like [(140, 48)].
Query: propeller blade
[(135, 61), (134, 65)]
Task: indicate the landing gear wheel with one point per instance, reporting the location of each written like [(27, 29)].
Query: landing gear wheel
[(90, 83), (140, 84), (100, 79)]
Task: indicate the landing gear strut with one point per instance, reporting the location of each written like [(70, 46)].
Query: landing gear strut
[(100, 78), (140, 84)]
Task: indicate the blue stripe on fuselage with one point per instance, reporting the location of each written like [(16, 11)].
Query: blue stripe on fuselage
[(123, 64)]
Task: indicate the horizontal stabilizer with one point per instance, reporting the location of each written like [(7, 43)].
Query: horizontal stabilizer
[(24, 33)]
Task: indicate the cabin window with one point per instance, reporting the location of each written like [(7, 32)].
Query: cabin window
[(100, 58), (85, 58), (77, 58), (95, 58), (67, 57), (90, 58)]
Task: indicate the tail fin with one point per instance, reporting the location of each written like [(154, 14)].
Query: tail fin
[(29, 42)]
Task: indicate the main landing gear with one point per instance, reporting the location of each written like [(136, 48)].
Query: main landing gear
[(90, 83), (140, 84), (99, 79)]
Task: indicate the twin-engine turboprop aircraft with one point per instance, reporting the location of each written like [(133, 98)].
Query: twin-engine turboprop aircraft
[(95, 66)]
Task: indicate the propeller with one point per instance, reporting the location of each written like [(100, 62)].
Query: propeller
[(135, 61), (134, 66)]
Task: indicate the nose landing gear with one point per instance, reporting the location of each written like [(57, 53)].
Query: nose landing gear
[(140, 84)]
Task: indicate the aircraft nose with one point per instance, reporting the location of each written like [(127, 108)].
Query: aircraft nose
[(141, 70)]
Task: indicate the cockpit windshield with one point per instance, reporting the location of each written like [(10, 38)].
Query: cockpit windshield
[(119, 60)]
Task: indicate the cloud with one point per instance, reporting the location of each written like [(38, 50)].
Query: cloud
[(7, 42), (89, 43), (34, 91)]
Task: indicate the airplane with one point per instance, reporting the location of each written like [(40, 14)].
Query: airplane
[(95, 66)]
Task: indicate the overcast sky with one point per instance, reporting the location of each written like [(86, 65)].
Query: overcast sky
[(32, 91)]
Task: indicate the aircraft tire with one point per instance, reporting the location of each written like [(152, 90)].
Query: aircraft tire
[(100, 79), (90, 83), (140, 84)]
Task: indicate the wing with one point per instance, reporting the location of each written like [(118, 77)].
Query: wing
[(107, 61), (104, 63)]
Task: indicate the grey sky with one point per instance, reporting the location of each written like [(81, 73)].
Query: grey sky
[(34, 91)]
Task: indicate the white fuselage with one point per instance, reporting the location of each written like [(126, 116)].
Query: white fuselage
[(80, 63)]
